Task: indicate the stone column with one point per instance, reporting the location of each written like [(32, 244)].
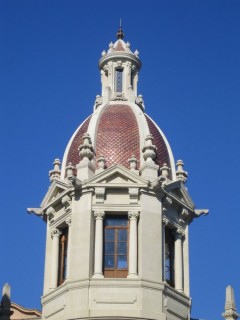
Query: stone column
[(132, 260), (98, 256), (55, 256), (178, 260), (69, 243)]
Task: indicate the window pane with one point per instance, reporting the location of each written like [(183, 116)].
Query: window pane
[(122, 248), (109, 248), (109, 261), (122, 235), (116, 221), (122, 262), (109, 235), (119, 73)]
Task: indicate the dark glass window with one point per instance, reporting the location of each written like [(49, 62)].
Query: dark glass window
[(132, 77), (169, 257), (62, 264), (119, 80), (115, 246)]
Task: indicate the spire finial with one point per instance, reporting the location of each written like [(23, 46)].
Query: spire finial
[(120, 34)]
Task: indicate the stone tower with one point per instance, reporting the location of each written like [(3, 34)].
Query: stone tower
[(117, 211)]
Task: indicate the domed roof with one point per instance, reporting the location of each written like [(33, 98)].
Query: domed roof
[(117, 135), (119, 126)]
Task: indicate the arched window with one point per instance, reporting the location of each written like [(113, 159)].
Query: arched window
[(115, 246)]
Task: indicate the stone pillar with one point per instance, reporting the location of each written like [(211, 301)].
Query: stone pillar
[(55, 256), (132, 260), (178, 260), (230, 312), (98, 255), (69, 243)]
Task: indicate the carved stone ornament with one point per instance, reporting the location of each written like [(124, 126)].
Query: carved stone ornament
[(101, 162), (133, 193), (55, 173), (180, 173), (132, 163), (200, 212), (184, 215), (55, 233), (230, 312), (167, 202), (149, 149), (165, 170), (76, 183), (66, 201), (133, 215), (99, 214), (50, 212), (180, 232), (100, 193), (140, 102), (69, 170), (98, 101), (69, 221), (86, 149), (159, 183), (165, 221)]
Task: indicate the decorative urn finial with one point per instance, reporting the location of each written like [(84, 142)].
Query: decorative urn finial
[(165, 170), (70, 170), (86, 149), (55, 173), (181, 173), (149, 149)]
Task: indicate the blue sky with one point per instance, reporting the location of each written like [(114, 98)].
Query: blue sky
[(190, 82)]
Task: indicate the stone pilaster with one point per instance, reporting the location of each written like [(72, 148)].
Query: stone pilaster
[(178, 259), (132, 264), (98, 256), (55, 256), (69, 243)]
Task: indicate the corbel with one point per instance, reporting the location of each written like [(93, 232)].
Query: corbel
[(100, 194), (133, 194)]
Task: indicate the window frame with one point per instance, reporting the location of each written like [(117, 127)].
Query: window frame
[(119, 81), (115, 272), (63, 255), (169, 268)]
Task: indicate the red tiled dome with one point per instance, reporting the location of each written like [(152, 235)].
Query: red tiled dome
[(117, 138), (118, 135)]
